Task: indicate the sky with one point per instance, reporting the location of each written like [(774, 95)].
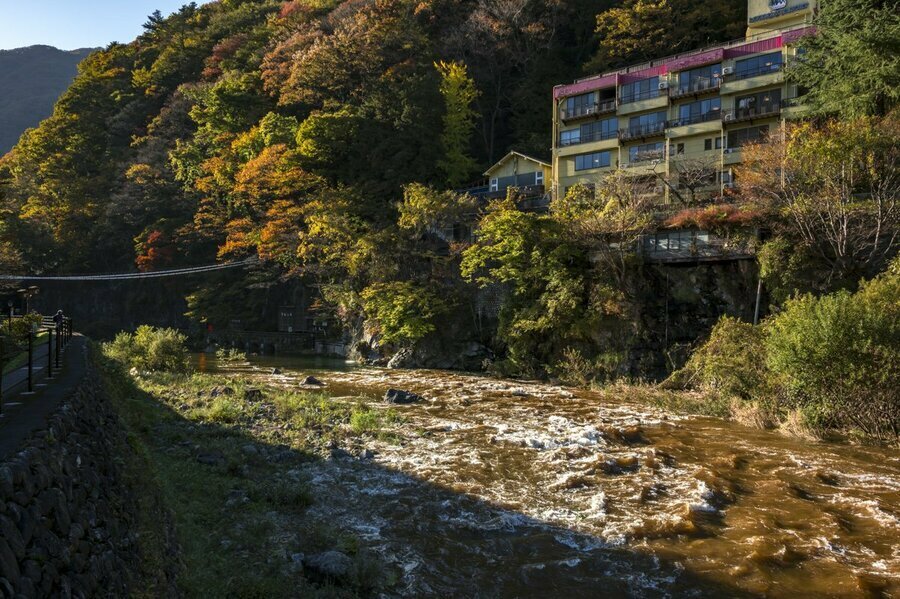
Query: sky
[(71, 24)]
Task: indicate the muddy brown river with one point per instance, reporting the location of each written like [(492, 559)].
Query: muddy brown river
[(507, 488)]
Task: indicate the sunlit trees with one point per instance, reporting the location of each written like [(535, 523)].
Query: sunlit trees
[(459, 93), (836, 188)]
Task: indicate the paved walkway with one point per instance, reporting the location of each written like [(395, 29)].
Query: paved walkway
[(22, 412)]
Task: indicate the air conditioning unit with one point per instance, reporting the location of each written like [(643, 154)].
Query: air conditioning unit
[(663, 85), (728, 70), (729, 116)]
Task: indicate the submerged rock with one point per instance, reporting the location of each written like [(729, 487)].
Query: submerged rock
[(276, 371), (396, 396), (329, 564), (311, 380)]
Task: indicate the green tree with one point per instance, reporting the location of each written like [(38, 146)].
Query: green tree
[(459, 92), (850, 66)]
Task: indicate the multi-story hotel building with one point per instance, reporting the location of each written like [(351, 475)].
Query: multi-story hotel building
[(669, 119)]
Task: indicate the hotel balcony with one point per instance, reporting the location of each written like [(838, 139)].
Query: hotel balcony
[(643, 132), (751, 79), (698, 87), (647, 100), (586, 139), (763, 111), (708, 122), (582, 112)]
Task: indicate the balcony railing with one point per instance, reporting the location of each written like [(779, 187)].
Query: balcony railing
[(756, 112), (698, 86), (642, 158), (712, 115), (647, 94), (588, 110), (760, 70), (642, 131), (590, 137)]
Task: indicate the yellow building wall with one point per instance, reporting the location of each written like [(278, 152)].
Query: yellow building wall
[(768, 15)]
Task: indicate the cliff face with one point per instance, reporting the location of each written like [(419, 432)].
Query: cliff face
[(31, 80)]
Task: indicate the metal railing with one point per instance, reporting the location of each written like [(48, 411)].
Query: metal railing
[(59, 334), (647, 94), (760, 70), (697, 86), (643, 131), (756, 112), (712, 115), (588, 110), (590, 137)]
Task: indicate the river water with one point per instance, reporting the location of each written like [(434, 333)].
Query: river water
[(507, 488)]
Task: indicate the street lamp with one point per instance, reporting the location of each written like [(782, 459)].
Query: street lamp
[(27, 294)]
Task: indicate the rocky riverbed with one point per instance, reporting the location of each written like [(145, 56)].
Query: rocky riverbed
[(498, 488)]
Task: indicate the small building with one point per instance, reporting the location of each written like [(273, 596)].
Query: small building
[(519, 171)]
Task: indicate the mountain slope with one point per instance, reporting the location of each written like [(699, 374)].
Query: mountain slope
[(32, 79)]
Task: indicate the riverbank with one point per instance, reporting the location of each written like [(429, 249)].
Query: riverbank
[(498, 487)]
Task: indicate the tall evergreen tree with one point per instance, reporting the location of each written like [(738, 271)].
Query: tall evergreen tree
[(851, 65)]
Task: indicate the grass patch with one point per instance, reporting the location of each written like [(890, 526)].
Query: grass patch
[(225, 468)]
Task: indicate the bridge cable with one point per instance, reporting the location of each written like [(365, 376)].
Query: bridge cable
[(157, 274)]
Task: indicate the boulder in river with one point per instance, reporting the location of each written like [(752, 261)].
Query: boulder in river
[(253, 394), (397, 396), (311, 380), (276, 371)]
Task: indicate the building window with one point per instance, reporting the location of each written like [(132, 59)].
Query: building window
[(584, 162), (758, 65), (708, 143), (599, 130), (570, 137), (639, 90), (679, 149), (647, 123), (750, 135), (700, 112), (580, 105), (655, 151), (539, 178), (700, 79), (495, 184), (767, 102)]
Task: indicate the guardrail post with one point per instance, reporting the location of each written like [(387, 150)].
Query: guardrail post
[(30, 361), (50, 353)]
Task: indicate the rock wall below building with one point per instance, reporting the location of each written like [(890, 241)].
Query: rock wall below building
[(69, 513)]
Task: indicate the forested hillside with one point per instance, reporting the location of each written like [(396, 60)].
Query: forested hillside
[(32, 79), (321, 137)]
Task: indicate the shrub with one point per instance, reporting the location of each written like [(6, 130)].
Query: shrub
[(365, 420), (575, 369), (837, 357), (22, 326), (730, 362), (150, 349)]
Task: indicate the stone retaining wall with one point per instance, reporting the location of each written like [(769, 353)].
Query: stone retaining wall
[(68, 515)]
